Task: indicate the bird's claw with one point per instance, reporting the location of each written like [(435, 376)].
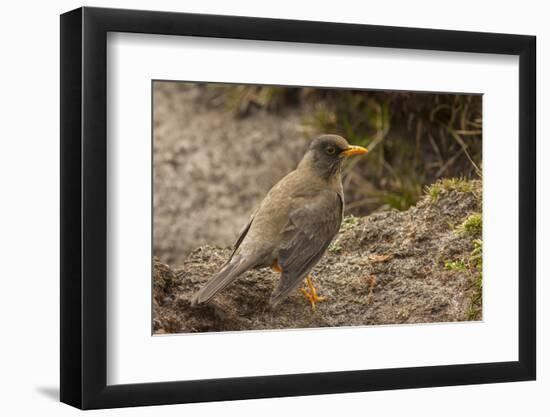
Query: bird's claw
[(311, 295)]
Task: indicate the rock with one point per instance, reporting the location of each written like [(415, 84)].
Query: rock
[(386, 268)]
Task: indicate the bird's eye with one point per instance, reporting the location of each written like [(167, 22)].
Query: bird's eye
[(331, 150)]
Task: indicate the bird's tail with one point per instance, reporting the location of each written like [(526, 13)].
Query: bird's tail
[(231, 270)]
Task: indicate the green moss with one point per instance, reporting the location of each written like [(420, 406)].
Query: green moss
[(471, 226), (335, 247), (449, 184), (349, 222), (476, 260), (474, 266), (433, 191), (456, 265)]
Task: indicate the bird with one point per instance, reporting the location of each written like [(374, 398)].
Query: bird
[(293, 225)]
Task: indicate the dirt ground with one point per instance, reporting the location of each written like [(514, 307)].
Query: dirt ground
[(386, 268), (212, 168)]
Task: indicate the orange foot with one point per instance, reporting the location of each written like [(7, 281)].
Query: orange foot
[(276, 267), (311, 295)]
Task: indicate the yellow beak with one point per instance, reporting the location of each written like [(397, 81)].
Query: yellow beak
[(354, 150)]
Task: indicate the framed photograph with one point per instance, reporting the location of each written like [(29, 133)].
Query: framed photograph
[(257, 208)]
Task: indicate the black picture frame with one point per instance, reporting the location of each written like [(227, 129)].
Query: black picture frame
[(84, 207)]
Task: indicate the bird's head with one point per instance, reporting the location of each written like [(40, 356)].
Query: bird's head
[(327, 152)]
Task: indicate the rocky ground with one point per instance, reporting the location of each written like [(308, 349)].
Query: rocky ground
[(415, 266)]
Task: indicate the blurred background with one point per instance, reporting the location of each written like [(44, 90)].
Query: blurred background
[(219, 148)]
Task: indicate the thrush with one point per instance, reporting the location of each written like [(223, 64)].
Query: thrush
[(294, 224)]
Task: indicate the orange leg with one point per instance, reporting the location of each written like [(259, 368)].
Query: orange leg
[(276, 267), (312, 294)]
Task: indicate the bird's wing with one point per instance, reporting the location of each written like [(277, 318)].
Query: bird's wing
[(307, 235)]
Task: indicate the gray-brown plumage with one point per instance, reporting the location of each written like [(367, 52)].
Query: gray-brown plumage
[(294, 224)]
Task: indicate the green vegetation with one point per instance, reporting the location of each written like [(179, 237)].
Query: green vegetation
[(349, 222), (457, 265), (474, 266), (472, 226), (335, 247), (449, 184), (476, 260), (414, 139)]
